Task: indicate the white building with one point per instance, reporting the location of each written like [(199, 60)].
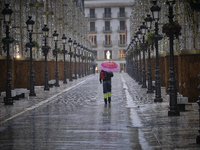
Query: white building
[(109, 24)]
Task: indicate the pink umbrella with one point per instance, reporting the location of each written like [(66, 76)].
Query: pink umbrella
[(109, 66)]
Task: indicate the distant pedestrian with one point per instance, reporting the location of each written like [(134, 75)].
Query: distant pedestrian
[(106, 77)]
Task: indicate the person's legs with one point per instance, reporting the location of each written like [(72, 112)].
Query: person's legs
[(109, 91), (105, 91)]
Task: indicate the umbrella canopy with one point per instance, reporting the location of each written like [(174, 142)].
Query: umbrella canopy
[(109, 66)]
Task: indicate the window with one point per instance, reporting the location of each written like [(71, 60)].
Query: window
[(95, 54), (121, 53), (108, 54), (122, 39), (92, 26), (92, 13), (107, 12), (121, 12), (107, 40), (107, 25), (122, 25), (93, 40)]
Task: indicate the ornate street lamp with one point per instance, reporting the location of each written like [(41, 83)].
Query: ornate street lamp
[(148, 21), (75, 46), (45, 50), (30, 24), (155, 9), (172, 81), (55, 52), (136, 65), (139, 35), (64, 51), (143, 28), (70, 51), (79, 53), (7, 12)]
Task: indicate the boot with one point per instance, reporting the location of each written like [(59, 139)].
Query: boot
[(105, 100), (109, 100)]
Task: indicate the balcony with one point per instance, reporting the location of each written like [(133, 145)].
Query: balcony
[(94, 45), (107, 29), (107, 44), (121, 29), (92, 16), (93, 30), (121, 44), (107, 16), (122, 15)]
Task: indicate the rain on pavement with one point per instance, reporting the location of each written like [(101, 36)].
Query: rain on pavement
[(79, 119)]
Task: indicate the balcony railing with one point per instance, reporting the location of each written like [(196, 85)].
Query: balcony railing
[(92, 16), (107, 43), (121, 28), (121, 14), (121, 44), (93, 29), (107, 16), (107, 29)]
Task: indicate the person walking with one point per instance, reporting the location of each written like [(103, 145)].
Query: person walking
[(106, 76)]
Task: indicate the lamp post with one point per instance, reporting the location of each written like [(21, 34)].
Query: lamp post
[(132, 64), (139, 36), (136, 64), (172, 81), (82, 59), (7, 12), (75, 46), (79, 61), (70, 51), (30, 24), (148, 21), (143, 28), (85, 61), (55, 36), (155, 9), (64, 53), (45, 50)]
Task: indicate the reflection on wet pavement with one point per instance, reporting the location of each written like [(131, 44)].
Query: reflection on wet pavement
[(78, 119)]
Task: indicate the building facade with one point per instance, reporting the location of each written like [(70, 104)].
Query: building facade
[(109, 26)]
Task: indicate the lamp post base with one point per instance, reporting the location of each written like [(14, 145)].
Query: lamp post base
[(46, 89), (158, 100), (173, 113), (144, 86), (32, 94), (8, 101), (150, 91), (198, 139)]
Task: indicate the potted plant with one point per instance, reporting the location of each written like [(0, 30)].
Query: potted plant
[(71, 54), (36, 45), (172, 28), (150, 38)]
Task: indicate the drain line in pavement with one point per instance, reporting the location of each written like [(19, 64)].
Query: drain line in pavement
[(135, 119)]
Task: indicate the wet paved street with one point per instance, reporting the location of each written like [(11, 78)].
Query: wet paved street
[(74, 117)]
